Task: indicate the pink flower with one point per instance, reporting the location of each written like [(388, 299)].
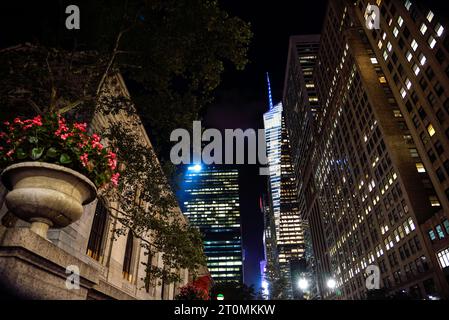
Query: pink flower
[(18, 121), (111, 155), (66, 135), (37, 120), (114, 179), (80, 126), (10, 153), (96, 142), (84, 159), (112, 163), (2, 134), (6, 123)]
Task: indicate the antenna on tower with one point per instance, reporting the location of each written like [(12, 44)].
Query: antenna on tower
[(270, 98)]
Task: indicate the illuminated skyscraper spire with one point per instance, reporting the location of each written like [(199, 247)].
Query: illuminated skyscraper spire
[(270, 98)]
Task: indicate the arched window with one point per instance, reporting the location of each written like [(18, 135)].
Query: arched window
[(127, 261), (97, 232)]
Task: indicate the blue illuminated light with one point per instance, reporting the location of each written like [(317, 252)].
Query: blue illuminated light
[(196, 168), (270, 98)]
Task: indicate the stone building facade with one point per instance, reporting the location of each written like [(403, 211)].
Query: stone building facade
[(111, 267)]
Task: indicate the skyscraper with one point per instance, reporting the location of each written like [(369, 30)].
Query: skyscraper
[(301, 107), (380, 148), (210, 200), (284, 207)]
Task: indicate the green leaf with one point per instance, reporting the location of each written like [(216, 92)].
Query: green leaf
[(33, 139), (36, 153), (52, 153), (65, 158), (21, 154)]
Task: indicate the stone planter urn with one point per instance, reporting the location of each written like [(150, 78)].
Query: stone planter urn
[(46, 195)]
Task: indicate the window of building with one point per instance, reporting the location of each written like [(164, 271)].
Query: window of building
[(439, 29), (422, 59), (438, 89), (408, 83), (414, 45), (438, 147), (434, 202), (409, 56), (432, 235), (423, 28), (414, 152), (432, 156), (443, 258), (127, 261), (395, 32), (416, 69), (430, 74), (440, 231), (440, 174), (446, 226), (403, 93), (432, 42), (431, 130), (420, 167), (430, 16), (408, 4), (97, 233)]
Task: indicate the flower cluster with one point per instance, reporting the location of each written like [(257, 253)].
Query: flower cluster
[(53, 139)]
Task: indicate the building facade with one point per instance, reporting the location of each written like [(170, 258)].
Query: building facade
[(289, 236), (380, 148), (210, 201), (302, 107)]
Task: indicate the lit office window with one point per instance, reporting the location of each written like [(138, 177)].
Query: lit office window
[(430, 16), (389, 46), (422, 59), (432, 42), (434, 202), (420, 167), (385, 55), (409, 56), (432, 235), (423, 28), (414, 45), (408, 4), (408, 83), (380, 44), (374, 61), (411, 224), (400, 21), (395, 32), (439, 29), (416, 69), (443, 258), (403, 93), (440, 231), (431, 130)]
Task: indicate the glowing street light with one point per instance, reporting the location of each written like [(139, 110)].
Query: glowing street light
[(303, 284), (220, 296), (331, 284)]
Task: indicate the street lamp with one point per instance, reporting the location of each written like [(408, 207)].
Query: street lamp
[(331, 283), (303, 284)]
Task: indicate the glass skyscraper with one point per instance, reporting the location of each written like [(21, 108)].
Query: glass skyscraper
[(284, 206), (210, 200)]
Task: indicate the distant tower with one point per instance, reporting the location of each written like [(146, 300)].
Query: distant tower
[(210, 200), (289, 238)]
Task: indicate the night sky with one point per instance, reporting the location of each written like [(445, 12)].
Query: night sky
[(242, 97)]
